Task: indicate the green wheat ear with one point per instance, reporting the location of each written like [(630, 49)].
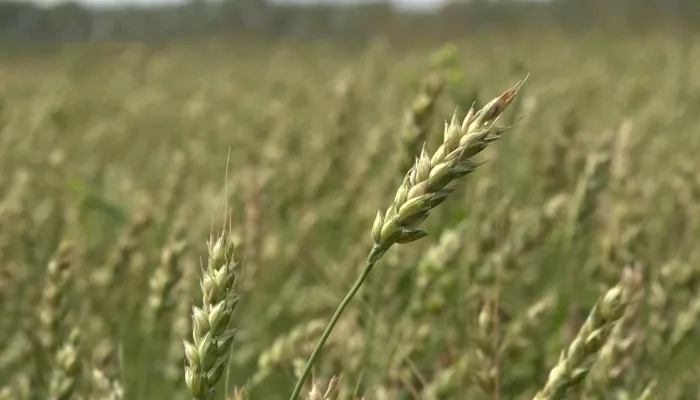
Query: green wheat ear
[(212, 331), (575, 362), (426, 185)]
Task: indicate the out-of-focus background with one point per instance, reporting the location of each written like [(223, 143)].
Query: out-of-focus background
[(127, 129), (411, 20)]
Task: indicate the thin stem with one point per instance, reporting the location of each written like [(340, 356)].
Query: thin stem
[(372, 259), (371, 317)]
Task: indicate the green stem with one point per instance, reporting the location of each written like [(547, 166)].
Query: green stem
[(370, 310), (372, 259)]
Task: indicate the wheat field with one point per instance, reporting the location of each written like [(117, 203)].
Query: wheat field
[(562, 267)]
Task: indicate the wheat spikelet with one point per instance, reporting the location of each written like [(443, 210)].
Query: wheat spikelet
[(105, 388), (162, 284), (616, 358), (53, 313), (54, 303), (433, 178), (330, 392), (429, 182), (448, 379), (418, 119), (575, 362), (212, 333), (64, 381), (117, 266), (285, 348), (502, 262)]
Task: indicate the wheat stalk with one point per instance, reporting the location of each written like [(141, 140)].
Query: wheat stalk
[(427, 184)]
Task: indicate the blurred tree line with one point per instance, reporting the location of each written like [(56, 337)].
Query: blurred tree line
[(69, 21)]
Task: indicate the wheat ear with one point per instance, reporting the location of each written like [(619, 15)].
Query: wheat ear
[(575, 362), (427, 184), (212, 332)]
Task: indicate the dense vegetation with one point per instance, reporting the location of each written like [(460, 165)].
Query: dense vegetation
[(118, 161), (347, 20)]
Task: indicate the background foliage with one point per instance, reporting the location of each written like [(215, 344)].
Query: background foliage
[(117, 160), (22, 21)]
